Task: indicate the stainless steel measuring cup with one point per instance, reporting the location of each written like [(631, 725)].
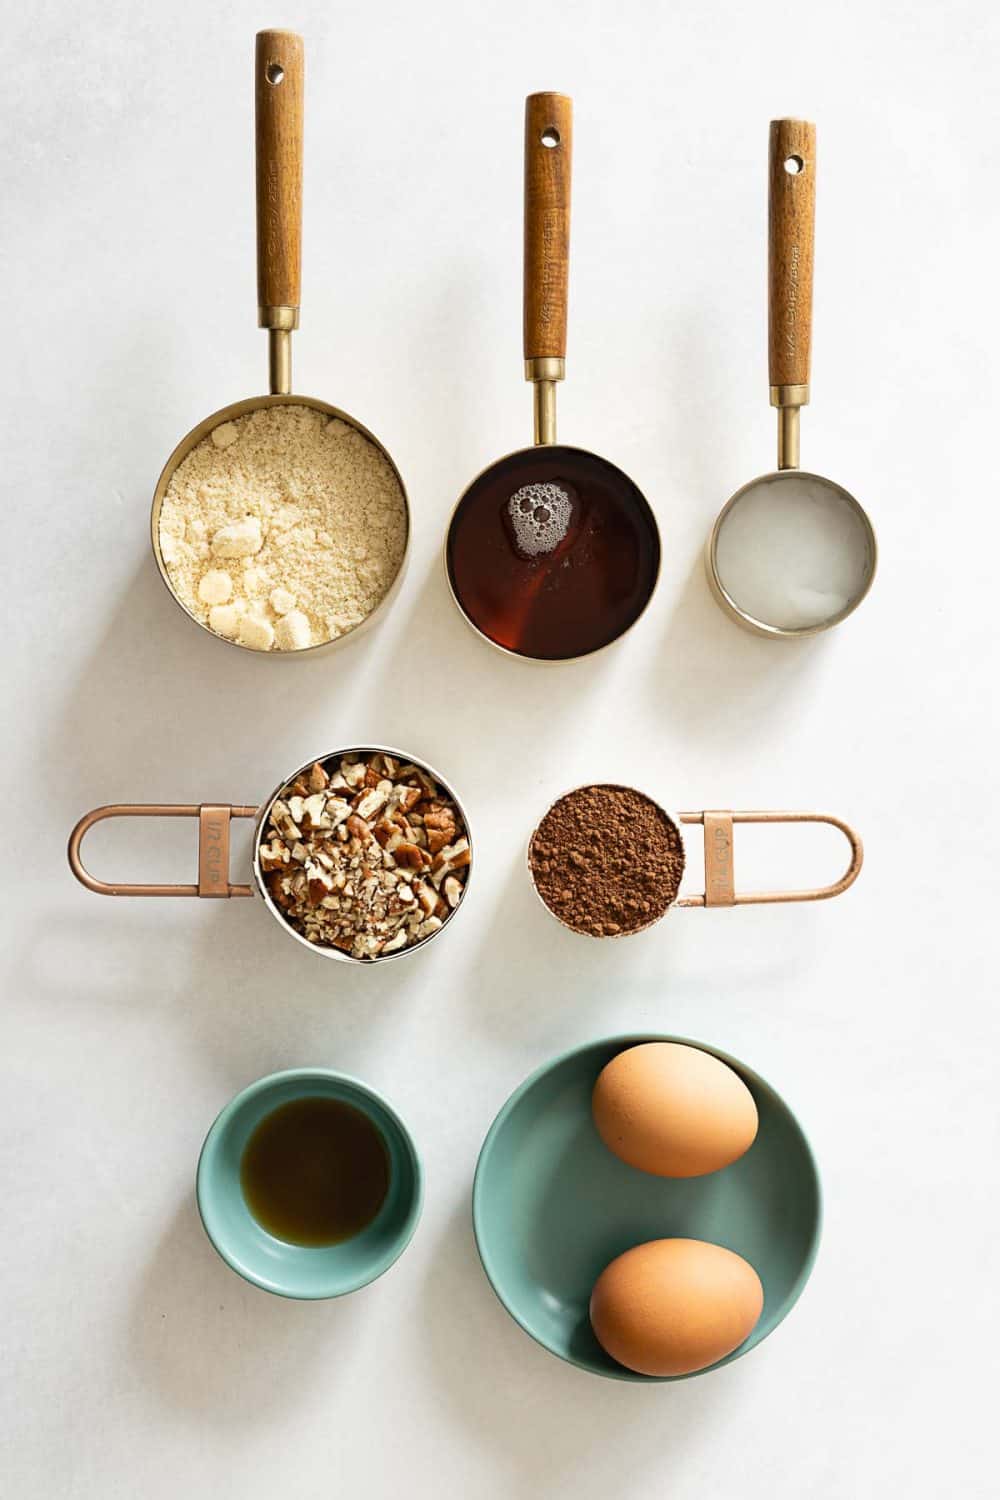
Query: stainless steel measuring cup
[(214, 826), (718, 838), (279, 79), (549, 616), (791, 216)]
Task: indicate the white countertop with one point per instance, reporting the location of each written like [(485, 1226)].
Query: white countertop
[(134, 1361)]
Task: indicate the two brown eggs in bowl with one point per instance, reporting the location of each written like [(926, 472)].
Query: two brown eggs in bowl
[(673, 1306)]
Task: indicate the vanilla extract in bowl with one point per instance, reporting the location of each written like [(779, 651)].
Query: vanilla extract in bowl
[(315, 1172)]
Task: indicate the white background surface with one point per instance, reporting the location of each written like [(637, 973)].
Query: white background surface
[(134, 1362)]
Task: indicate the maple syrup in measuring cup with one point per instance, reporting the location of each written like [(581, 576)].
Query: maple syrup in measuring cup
[(553, 553)]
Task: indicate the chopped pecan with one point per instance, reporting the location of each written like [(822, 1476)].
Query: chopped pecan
[(273, 856), (428, 897), (373, 800), (364, 855), (383, 832), (407, 797), (409, 855), (314, 813), (337, 810), (317, 889), (439, 821), (276, 886), (457, 855), (318, 779)]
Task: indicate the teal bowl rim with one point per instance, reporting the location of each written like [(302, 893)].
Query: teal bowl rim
[(379, 1267), (635, 1039)]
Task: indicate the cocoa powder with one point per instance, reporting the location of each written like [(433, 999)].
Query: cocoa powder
[(606, 860)]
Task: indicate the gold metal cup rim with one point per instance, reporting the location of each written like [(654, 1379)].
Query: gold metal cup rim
[(549, 661), (258, 874), (231, 413), (762, 627)]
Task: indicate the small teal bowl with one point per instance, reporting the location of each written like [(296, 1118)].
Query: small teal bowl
[(305, 1272), (552, 1206)]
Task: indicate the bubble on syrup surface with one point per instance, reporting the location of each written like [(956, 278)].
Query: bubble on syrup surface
[(540, 515)]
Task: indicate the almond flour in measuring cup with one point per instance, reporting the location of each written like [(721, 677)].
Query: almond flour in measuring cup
[(283, 529)]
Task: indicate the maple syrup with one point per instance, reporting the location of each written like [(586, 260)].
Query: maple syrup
[(553, 552)]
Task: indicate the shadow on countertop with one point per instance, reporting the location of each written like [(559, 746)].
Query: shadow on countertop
[(224, 1351), (545, 1422), (709, 668)]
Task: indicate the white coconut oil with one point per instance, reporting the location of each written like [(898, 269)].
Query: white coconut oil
[(793, 552)]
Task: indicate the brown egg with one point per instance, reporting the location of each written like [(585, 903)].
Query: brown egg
[(670, 1307), (673, 1110)]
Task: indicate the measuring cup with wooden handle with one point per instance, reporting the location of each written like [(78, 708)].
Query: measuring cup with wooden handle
[(552, 552), (792, 553), (279, 74)]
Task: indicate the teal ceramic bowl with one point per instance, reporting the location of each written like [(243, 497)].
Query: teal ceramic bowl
[(297, 1270), (552, 1206)]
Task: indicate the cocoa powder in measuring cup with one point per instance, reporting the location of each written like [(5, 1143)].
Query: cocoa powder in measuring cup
[(606, 860)]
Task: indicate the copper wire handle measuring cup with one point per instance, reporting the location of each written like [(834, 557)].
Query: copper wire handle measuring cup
[(720, 879), (278, 92), (548, 613), (214, 828), (805, 498)]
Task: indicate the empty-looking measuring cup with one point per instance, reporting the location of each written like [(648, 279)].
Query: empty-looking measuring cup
[(791, 553)]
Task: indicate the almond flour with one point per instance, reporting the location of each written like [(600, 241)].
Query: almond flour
[(283, 529)]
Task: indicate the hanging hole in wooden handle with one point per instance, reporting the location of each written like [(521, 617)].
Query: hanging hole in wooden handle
[(548, 158), (791, 193), (279, 72)]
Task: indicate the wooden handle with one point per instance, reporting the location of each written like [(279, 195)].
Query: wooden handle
[(548, 157), (280, 68), (791, 222)]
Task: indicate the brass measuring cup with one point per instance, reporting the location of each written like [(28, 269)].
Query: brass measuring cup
[(548, 142), (214, 826), (720, 880), (278, 93), (791, 221)]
